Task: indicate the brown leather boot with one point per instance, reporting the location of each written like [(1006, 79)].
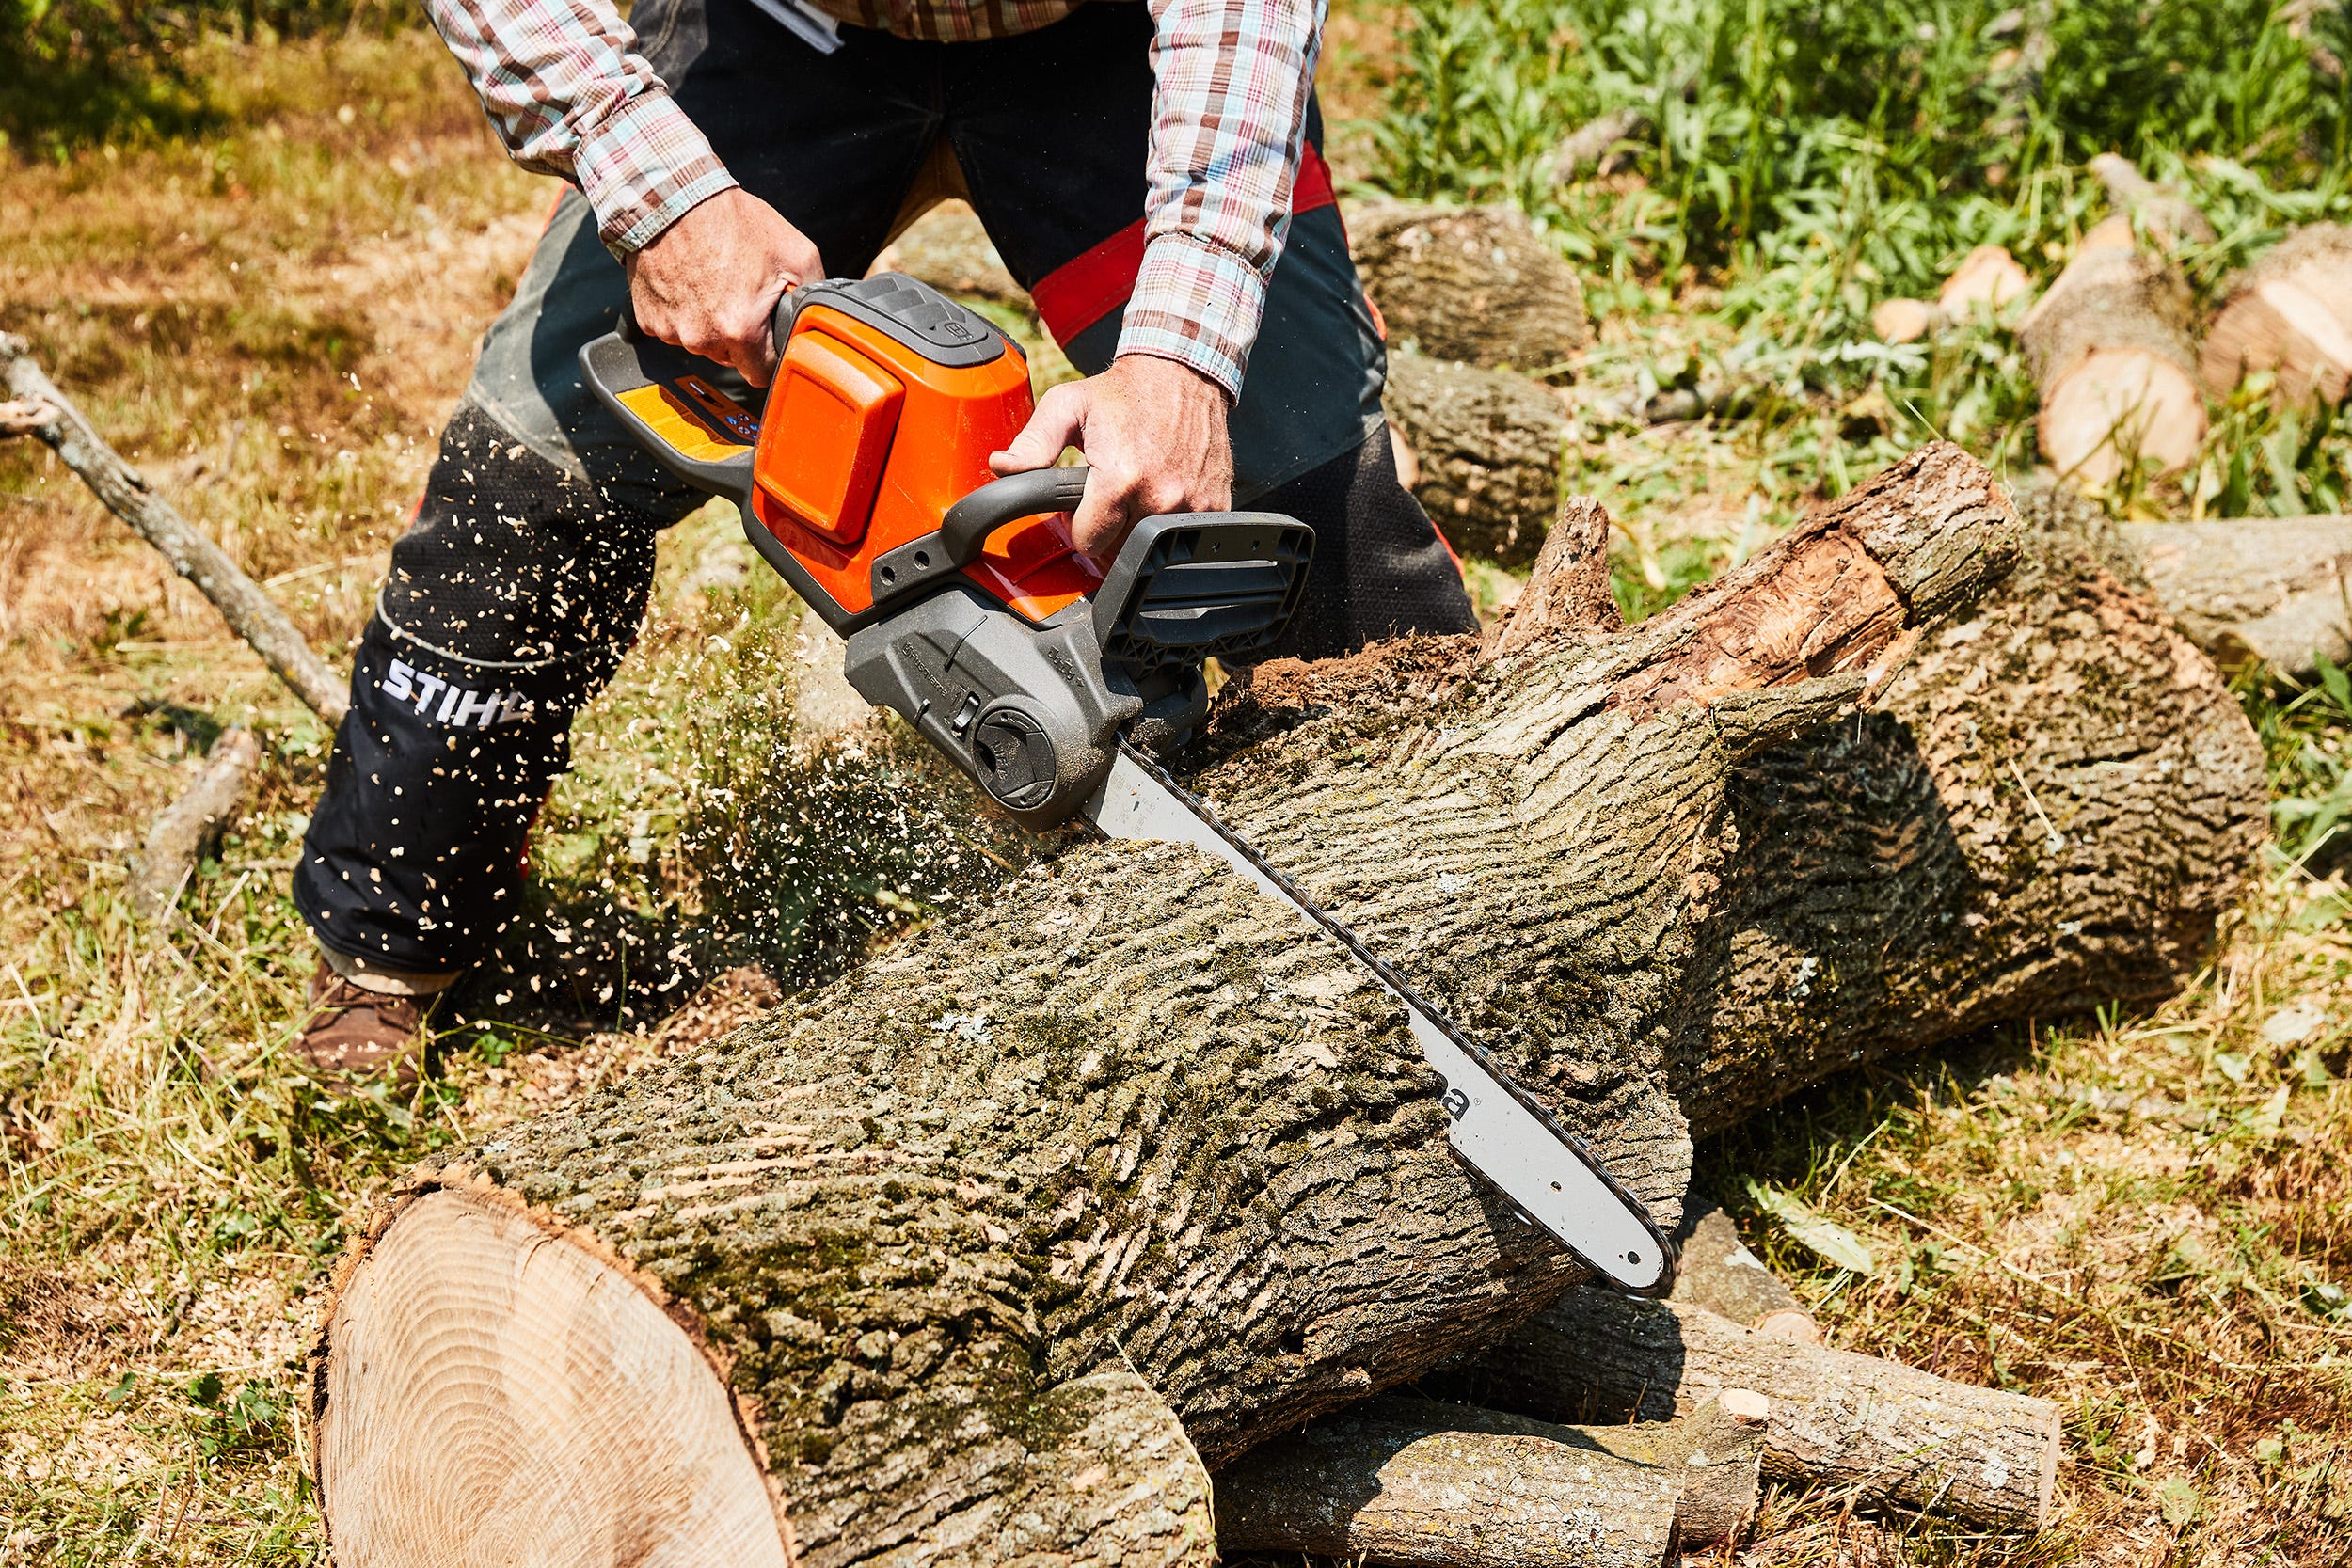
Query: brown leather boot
[(355, 1034)]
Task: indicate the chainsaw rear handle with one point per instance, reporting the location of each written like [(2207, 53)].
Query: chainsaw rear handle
[(624, 361)]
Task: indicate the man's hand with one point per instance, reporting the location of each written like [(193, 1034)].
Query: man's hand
[(1153, 433), (709, 283)]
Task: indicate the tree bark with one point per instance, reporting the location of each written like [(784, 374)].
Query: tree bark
[(250, 612), (192, 823), (1129, 1121), (1476, 284), (1417, 1484), (1488, 447), (2111, 351), (2276, 591), (1882, 1431), (2289, 313)]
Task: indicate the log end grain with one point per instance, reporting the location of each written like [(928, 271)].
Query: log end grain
[(1904, 321), (492, 1395), (1990, 278), (2298, 327), (2116, 407)]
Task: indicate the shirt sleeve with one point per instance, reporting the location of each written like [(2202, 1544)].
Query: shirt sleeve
[(569, 94), (1228, 115)]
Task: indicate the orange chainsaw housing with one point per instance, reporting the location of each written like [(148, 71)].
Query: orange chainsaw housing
[(866, 442)]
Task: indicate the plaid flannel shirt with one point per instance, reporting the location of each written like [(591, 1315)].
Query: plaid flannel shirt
[(570, 96)]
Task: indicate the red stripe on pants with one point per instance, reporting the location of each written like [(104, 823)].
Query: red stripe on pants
[(1089, 286)]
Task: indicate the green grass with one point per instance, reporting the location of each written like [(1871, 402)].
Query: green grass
[(1803, 162)]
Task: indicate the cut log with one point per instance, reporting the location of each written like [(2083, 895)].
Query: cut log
[(2111, 355), (1720, 1275), (2041, 848), (1989, 279), (1906, 320), (1878, 1431), (193, 823), (2273, 589), (2289, 313), (1488, 445), (250, 612), (1417, 1484), (1126, 1117), (2163, 214), (1471, 283)]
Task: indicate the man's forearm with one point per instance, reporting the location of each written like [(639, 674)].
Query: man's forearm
[(569, 94), (1229, 115)]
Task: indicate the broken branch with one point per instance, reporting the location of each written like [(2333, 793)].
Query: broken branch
[(251, 613)]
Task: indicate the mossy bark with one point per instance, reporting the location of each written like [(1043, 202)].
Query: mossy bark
[(1129, 1114)]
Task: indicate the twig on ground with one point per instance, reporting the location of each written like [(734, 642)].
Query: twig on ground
[(176, 841)]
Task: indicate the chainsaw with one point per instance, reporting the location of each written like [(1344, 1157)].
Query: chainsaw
[(1048, 677)]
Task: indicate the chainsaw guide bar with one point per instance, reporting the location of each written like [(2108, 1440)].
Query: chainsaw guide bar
[(1499, 1131)]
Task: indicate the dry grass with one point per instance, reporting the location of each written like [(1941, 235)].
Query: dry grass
[(2142, 1217)]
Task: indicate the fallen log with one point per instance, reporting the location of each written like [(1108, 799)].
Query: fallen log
[(2063, 799), (1590, 144), (2276, 590), (1418, 1483), (192, 823), (250, 612), (1878, 1432), (2159, 212), (1488, 448), (2289, 313), (2112, 354), (1476, 284), (997, 1245)]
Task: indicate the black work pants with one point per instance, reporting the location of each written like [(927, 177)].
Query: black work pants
[(513, 595)]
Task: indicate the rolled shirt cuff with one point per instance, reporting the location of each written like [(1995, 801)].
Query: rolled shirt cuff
[(643, 168), (1196, 303)]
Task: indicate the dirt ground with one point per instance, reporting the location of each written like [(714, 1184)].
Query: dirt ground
[(2145, 1218)]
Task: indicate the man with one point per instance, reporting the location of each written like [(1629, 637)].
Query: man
[(1141, 168)]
